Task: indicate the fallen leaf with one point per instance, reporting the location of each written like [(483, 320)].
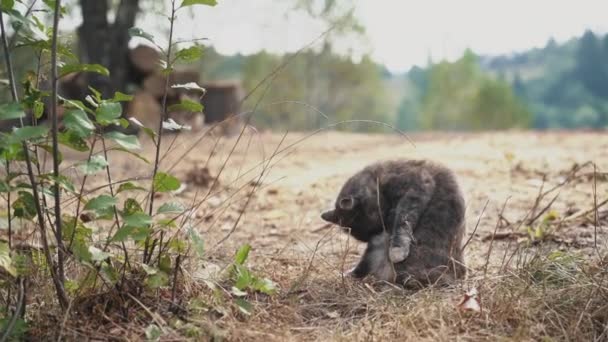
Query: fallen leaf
[(470, 302)]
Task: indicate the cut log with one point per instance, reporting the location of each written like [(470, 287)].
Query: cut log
[(221, 100), (145, 60), (183, 77), (145, 108), (155, 83)]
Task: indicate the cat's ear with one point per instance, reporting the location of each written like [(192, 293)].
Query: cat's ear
[(347, 203), (330, 216)]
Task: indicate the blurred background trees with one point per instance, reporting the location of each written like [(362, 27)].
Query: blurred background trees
[(562, 85)]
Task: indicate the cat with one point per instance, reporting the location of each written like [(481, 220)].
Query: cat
[(411, 214)]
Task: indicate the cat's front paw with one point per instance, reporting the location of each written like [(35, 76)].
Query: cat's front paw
[(398, 253), (354, 273)]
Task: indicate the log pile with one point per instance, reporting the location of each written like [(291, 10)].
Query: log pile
[(147, 85)]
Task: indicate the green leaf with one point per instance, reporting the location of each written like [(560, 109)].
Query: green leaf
[(197, 242), (4, 186), (7, 5), (63, 181), (157, 280), (137, 220), (137, 32), (96, 68), (38, 109), (244, 278), (149, 269), (97, 254), (164, 264), (242, 254), (95, 164), (171, 207), (107, 112), (129, 142), (186, 3), (78, 122), (120, 97), (129, 186), (123, 233), (190, 54), (186, 105), (96, 94), (264, 285), (29, 132), (153, 333), (131, 207), (5, 259), (73, 141), (136, 233), (10, 111), (25, 206), (164, 182), (244, 306), (100, 203)]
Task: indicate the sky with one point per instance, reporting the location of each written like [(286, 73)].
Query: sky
[(400, 33)]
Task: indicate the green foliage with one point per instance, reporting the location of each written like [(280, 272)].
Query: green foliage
[(315, 84), (186, 105), (164, 182), (11, 111), (244, 279), (78, 122), (104, 244), (189, 55), (460, 96), (129, 142), (137, 32), (96, 68), (94, 165), (171, 207), (187, 3), (108, 112)]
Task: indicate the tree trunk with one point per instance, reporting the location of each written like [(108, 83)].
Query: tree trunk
[(105, 44)]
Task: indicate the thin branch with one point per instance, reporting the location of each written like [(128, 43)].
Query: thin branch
[(61, 295), (148, 254), (54, 133)]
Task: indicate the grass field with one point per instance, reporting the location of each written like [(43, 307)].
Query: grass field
[(535, 218)]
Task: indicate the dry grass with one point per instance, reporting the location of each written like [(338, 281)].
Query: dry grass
[(550, 287)]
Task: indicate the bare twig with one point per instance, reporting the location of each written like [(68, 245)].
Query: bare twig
[(476, 225), (148, 254), (54, 133)]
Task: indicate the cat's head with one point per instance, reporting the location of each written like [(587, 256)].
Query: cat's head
[(356, 209)]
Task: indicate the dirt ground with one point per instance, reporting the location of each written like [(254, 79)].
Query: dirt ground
[(291, 179)]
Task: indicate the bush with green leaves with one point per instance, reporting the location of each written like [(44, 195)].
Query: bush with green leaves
[(105, 239)]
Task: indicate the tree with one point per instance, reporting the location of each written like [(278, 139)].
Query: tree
[(461, 96), (591, 66), (104, 43)]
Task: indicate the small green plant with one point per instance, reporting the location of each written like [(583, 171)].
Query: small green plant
[(243, 280), (543, 230)]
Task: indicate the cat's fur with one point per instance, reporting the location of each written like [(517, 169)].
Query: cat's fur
[(411, 214)]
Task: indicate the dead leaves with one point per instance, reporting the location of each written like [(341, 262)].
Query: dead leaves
[(471, 302)]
